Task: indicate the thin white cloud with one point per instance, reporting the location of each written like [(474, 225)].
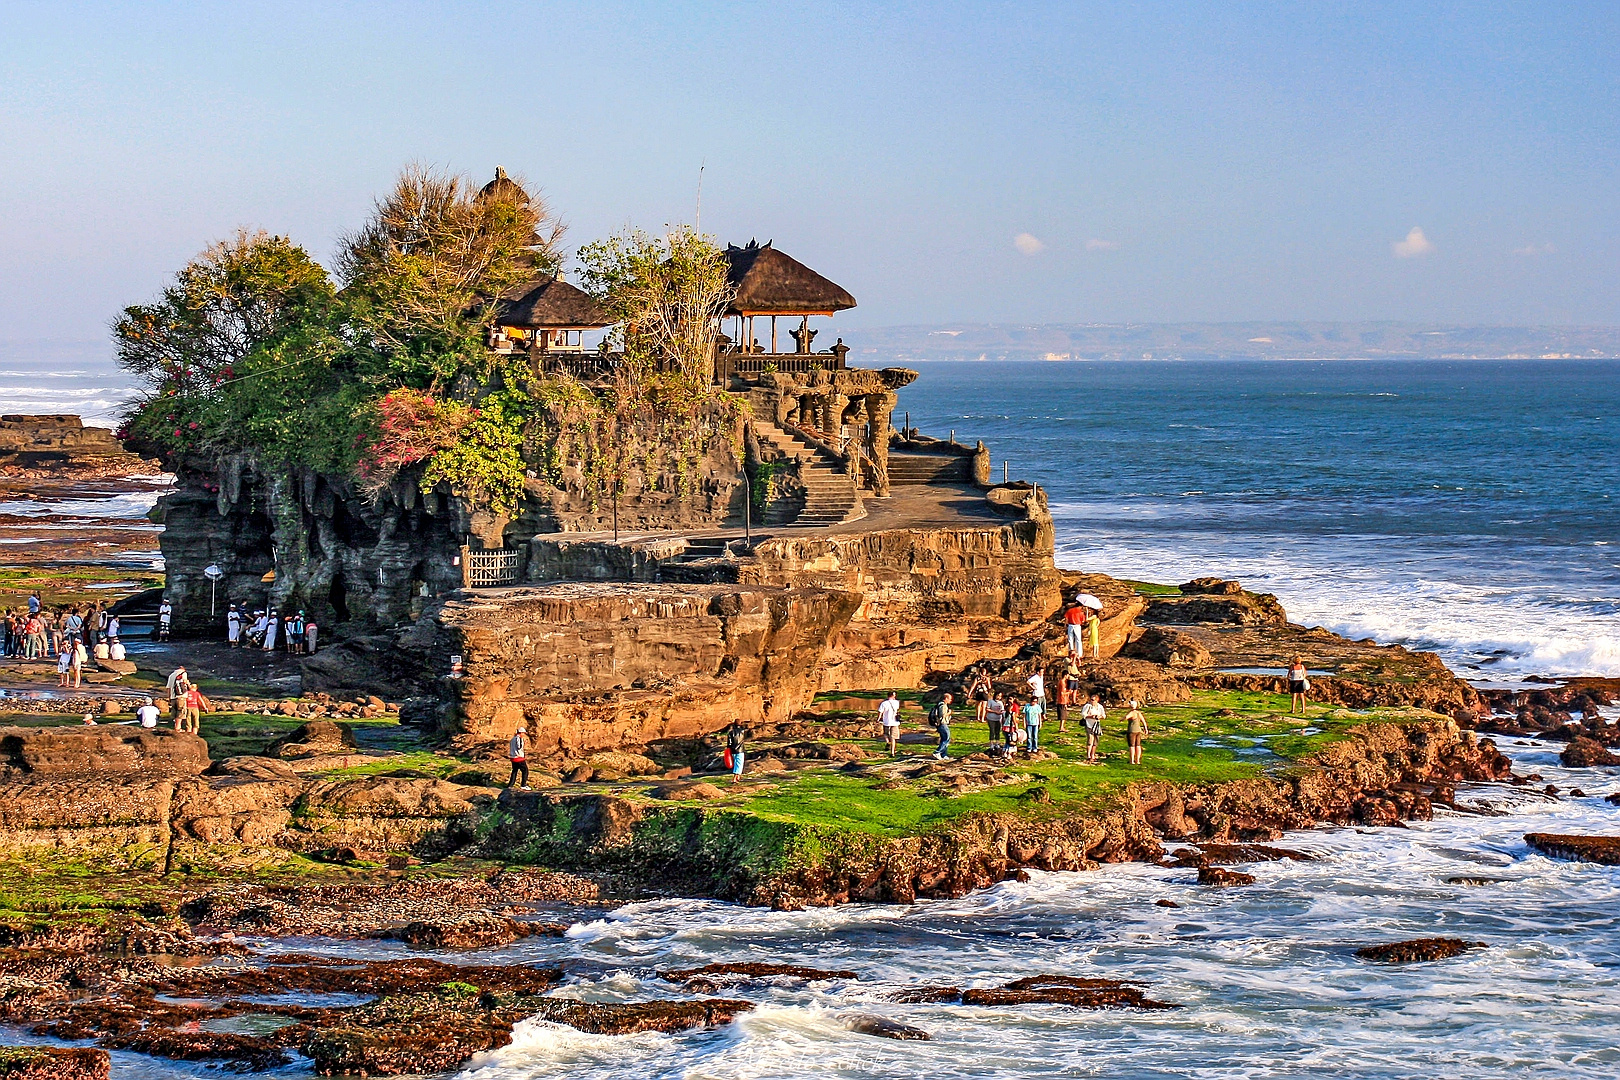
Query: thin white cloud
[(1413, 246), (1027, 244), (1532, 250), (1095, 244)]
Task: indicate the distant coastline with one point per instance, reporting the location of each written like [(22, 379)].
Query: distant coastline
[(1232, 341)]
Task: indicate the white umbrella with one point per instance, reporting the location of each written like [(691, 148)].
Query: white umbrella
[(1085, 599)]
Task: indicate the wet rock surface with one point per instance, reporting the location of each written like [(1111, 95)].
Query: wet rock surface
[(1418, 950), (709, 978), (1584, 752), (52, 1063), (1594, 849), (867, 1024), (1215, 875), (1080, 993)]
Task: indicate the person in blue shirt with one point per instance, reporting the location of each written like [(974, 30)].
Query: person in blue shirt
[(1032, 725)]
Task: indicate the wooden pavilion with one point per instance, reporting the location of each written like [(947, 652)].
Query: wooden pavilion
[(546, 315), (770, 283)]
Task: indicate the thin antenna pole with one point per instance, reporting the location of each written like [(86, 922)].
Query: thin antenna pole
[(698, 223)]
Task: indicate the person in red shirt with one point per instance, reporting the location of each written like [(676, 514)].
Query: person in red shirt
[(1075, 617)]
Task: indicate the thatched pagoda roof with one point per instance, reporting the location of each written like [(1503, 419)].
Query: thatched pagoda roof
[(503, 184), (771, 283), (549, 303)]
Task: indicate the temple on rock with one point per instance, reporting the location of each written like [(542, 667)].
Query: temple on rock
[(778, 534)]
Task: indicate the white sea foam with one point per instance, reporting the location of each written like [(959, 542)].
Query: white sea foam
[(134, 504)]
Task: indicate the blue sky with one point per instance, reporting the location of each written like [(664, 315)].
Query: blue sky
[(945, 162)]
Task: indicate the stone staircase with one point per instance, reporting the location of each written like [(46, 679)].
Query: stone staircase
[(830, 497), (912, 468)]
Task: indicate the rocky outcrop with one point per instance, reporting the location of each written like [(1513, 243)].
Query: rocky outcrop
[(1376, 776), (52, 1063), (57, 440), (89, 751), (1169, 647), (1595, 849), (1585, 753), (1418, 950)]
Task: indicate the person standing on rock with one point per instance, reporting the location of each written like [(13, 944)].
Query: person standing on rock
[(995, 714), (1032, 725), (979, 694), (233, 627), (1074, 620), (34, 603), (165, 618), (736, 736), (271, 625), (941, 716), (1037, 686), (1298, 684), (1135, 728), (1092, 714), (889, 720), (1070, 690), (112, 628), (517, 751), (310, 634), (1094, 631), (64, 661), (176, 685), (194, 708)]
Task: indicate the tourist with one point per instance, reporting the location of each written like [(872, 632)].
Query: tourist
[(295, 634), (1037, 686), (1032, 726), (76, 664), (115, 651), (310, 633), (1074, 619), (34, 638), (165, 618), (979, 694), (1092, 715), (1135, 728), (1094, 631), (112, 628), (64, 661), (92, 626), (518, 752), (1009, 738), (233, 627), (995, 714), (257, 630), (176, 683), (34, 603), (147, 714), (194, 705), (8, 626), (1298, 684), (889, 720), (53, 635), (736, 736), (1068, 694), (73, 626), (272, 623), (941, 716)]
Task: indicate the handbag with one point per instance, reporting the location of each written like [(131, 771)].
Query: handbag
[(727, 758)]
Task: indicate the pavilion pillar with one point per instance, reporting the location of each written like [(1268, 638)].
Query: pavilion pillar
[(879, 407)]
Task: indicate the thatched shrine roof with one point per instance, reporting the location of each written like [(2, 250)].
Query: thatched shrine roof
[(549, 303), (771, 283)]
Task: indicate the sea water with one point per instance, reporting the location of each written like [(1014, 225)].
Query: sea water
[(1265, 975), (1469, 507)]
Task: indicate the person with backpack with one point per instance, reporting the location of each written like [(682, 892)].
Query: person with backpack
[(517, 751), (735, 737), (940, 715), (1135, 728)]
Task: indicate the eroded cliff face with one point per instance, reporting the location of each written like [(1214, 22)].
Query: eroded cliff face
[(350, 561), (598, 666)]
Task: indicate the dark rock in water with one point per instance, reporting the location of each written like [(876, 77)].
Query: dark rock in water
[(475, 931), (1584, 753), (1551, 789), (1612, 797), (1417, 950), (867, 1024), (409, 1033), (1596, 849), (1576, 793), (1214, 875), (1476, 880), (1232, 854), (667, 1016), (1167, 903), (52, 1063), (1069, 990)]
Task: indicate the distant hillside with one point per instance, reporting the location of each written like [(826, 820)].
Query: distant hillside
[(1208, 341)]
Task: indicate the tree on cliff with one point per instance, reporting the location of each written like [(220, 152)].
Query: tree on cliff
[(235, 352), (418, 276)]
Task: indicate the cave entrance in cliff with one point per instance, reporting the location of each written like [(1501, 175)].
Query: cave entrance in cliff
[(339, 598)]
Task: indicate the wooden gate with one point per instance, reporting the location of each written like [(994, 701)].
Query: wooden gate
[(500, 566)]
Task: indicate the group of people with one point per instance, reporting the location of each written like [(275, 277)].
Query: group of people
[(1013, 723), (70, 634), (296, 633), (186, 704)]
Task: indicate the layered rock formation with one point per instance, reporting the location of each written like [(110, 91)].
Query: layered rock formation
[(58, 440)]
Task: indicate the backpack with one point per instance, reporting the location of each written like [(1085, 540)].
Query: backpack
[(936, 715)]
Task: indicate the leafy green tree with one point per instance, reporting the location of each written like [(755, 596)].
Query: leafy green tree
[(419, 276)]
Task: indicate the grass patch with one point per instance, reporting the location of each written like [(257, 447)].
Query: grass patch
[(1149, 588)]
